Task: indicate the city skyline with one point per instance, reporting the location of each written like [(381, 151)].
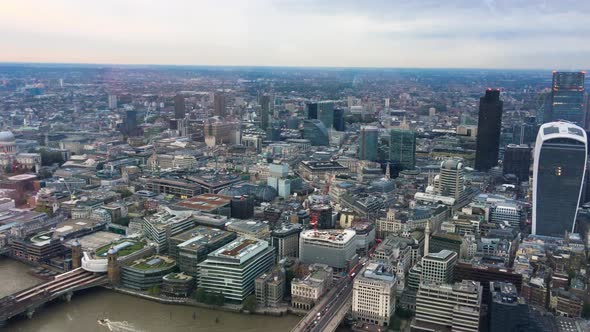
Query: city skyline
[(462, 34)]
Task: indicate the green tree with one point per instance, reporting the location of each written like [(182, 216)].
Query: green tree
[(124, 193), (200, 295), (219, 299), (249, 303)]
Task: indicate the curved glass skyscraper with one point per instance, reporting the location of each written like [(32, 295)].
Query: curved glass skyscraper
[(558, 177)]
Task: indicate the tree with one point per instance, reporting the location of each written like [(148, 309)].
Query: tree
[(200, 295), (124, 193), (249, 303), (219, 299)]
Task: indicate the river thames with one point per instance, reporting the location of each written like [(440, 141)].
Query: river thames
[(124, 312)]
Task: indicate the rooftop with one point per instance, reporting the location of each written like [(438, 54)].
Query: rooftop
[(329, 235), (241, 248), (153, 263), (205, 202)]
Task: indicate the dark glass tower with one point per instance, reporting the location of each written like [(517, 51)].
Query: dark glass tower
[(488, 130), (179, 107), (558, 176), (568, 97), (131, 122), (323, 111), (219, 104), (368, 139), (517, 161), (339, 124), (266, 104), (315, 132)]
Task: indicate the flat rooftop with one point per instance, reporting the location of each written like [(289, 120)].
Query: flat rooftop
[(199, 236), (241, 248), (96, 240), (155, 262), (205, 202), (329, 235)]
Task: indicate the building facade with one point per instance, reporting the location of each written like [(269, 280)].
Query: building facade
[(489, 126)]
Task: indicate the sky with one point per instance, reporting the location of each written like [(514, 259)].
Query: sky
[(543, 34)]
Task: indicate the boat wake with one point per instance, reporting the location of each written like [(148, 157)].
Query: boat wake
[(122, 326)]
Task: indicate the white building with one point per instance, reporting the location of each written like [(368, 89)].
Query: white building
[(373, 295), (233, 268), (306, 292), (438, 267), (335, 248)]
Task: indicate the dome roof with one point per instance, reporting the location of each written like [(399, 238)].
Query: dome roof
[(6, 136)]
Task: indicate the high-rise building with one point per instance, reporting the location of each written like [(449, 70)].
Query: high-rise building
[(488, 130), (439, 267), (558, 176), (266, 110), (131, 122), (373, 295), (233, 268), (219, 104), (113, 101), (400, 150), (285, 239), (508, 311), (315, 132), (369, 136), (568, 97), (179, 107), (517, 161), (339, 123), (450, 182), (442, 307), (323, 111)]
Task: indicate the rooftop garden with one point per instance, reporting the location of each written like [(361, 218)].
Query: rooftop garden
[(133, 247), (154, 262)]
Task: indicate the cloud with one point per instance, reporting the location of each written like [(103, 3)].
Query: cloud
[(371, 33)]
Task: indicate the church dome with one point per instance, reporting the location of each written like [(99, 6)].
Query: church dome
[(6, 137)]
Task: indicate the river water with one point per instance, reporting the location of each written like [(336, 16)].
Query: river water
[(125, 313)]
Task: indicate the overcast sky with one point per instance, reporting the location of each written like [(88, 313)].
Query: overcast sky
[(552, 34)]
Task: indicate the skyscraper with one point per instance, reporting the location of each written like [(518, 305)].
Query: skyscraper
[(558, 177), (517, 161), (401, 150), (323, 111), (266, 105), (315, 132), (369, 136), (179, 107), (339, 123), (113, 101), (450, 182), (568, 97), (219, 104), (488, 130), (131, 122)]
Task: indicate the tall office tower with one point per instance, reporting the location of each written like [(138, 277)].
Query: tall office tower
[(179, 107), (558, 176), (568, 97), (439, 267), (450, 181), (526, 132), (369, 136), (401, 150), (219, 104), (266, 109), (112, 101), (339, 123), (323, 111), (373, 295), (508, 311), (517, 161), (446, 307), (488, 130), (131, 122), (315, 132)]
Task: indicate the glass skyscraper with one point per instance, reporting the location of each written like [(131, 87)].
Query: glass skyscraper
[(489, 126), (315, 132), (368, 143), (323, 111), (568, 97), (558, 177), (401, 152)]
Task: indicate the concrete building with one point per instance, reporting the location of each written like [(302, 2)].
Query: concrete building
[(270, 289), (439, 267), (450, 182), (373, 295), (335, 248), (249, 228), (160, 226), (233, 268), (446, 307), (285, 240), (306, 292), (146, 272)]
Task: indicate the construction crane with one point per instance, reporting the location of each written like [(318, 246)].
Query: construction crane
[(315, 216)]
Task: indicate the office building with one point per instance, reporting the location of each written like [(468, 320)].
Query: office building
[(450, 182), (145, 273), (508, 311), (285, 239), (113, 102), (242, 207), (517, 161), (266, 110), (249, 228), (488, 130), (339, 122), (131, 122), (335, 248), (400, 150), (368, 139), (178, 285), (315, 132), (233, 268), (446, 307), (307, 291), (568, 98), (179, 107), (270, 289), (439, 267), (219, 104), (558, 176), (373, 295), (323, 216), (160, 226), (322, 111)]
